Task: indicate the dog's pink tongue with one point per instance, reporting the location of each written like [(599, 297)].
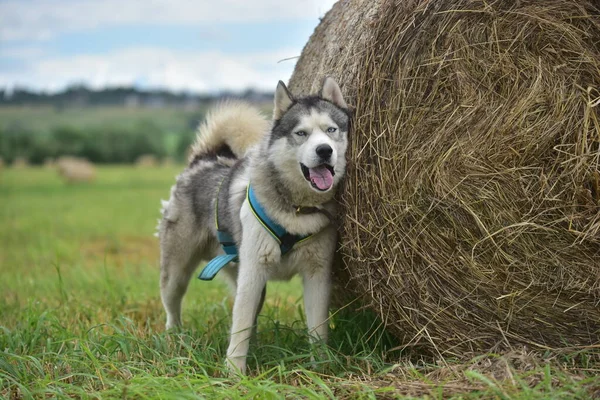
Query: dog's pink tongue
[(321, 177)]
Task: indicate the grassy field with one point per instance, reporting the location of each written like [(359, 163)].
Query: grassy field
[(40, 118), (80, 317)]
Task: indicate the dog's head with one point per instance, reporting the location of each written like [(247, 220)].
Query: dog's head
[(309, 138)]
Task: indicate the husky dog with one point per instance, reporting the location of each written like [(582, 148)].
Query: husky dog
[(289, 169)]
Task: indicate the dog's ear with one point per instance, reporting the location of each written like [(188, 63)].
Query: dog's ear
[(331, 91), (283, 100)]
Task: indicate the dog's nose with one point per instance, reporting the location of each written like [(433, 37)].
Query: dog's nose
[(324, 151)]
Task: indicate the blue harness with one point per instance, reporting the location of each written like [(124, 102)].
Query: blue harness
[(286, 240)]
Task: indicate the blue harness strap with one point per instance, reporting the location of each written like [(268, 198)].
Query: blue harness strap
[(227, 243), (286, 240), (216, 264)]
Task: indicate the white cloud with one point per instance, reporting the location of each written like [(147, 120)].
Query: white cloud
[(24, 53), (158, 68), (26, 24), (43, 19)]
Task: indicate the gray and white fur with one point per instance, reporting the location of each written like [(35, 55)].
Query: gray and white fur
[(294, 163)]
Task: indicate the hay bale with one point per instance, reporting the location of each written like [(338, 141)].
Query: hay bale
[(472, 204), (49, 163), (20, 163), (146, 161), (168, 162), (75, 170)]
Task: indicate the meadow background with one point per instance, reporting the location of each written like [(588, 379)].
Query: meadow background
[(111, 134), (80, 309), (81, 317)]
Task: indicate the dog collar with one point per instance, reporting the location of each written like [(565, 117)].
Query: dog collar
[(285, 239)]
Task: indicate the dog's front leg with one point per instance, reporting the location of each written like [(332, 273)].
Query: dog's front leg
[(250, 285), (317, 288), (317, 285)]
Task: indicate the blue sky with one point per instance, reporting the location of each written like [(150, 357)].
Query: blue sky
[(193, 45)]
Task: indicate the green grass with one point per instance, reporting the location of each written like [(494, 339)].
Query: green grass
[(80, 316), (40, 118)]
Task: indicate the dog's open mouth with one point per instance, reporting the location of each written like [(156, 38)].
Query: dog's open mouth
[(320, 177)]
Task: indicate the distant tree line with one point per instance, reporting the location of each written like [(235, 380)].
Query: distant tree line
[(79, 95), (102, 140), (99, 145)]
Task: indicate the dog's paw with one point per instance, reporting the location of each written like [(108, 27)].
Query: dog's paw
[(236, 366), (319, 356), (175, 328), (173, 323)]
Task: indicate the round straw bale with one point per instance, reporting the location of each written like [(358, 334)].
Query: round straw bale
[(75, 170), (20, 163), (168, 162), (146, 161), (49, 163), (472, 204)]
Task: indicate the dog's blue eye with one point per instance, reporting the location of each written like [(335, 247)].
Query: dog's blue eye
[(331, 129), (301, 133)]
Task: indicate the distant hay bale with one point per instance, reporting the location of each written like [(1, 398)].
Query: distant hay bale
[(75, 170), (49, 163), (146, 161), (168, 162), (20, 163), (472, 204)]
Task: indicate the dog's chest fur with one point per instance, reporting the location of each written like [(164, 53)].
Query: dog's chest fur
[(264, 251)]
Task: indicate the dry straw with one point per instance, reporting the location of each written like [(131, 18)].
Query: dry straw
[(75, 170), (472, 205)]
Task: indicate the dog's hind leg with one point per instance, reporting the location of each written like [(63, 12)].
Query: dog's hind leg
[(180, 256)]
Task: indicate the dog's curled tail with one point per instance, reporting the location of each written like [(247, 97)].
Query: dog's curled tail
[(230, 129)]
